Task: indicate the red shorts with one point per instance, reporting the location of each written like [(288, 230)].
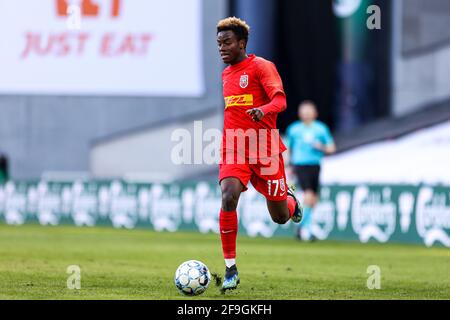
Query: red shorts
[(268, 177)]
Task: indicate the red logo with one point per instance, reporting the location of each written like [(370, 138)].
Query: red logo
[(89, 8), (66, 42), (244, 81)]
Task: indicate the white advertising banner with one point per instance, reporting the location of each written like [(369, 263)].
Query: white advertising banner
[(101, 47)]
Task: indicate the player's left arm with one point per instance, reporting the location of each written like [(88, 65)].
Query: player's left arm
[(273, 86), (277, 105), (326, 148)]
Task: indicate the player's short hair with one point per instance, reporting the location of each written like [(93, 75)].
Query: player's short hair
[(240, 28), (308, 103)]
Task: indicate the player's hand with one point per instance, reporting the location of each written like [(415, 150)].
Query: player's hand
[(319, 146), (256, 114)]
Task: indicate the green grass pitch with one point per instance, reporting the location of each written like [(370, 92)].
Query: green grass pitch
[(140, 264)]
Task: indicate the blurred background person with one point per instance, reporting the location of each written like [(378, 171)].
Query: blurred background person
[(3, 168), (309, 140)]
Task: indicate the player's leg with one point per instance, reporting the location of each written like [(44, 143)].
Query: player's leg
[(283, 211), (309, 202), (231, 191), (305, 229), (310, 184), (279, 211), (281, 200), (231, 188)]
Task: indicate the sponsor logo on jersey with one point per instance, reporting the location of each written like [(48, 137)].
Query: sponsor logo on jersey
[(242, 100)]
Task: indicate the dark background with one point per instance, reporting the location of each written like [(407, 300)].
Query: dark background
[(306, 49)]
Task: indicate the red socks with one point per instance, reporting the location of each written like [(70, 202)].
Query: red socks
[(228, 233), (229, 229), (291, 205)]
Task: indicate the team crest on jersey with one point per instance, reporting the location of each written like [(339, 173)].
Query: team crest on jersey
[(244, 81)]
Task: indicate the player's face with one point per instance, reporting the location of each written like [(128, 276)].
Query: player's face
[(229, 46), (307, 113)]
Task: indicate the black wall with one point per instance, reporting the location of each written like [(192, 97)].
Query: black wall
[(308, 54)]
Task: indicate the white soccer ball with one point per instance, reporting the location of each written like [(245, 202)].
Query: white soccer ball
[(192, 278)]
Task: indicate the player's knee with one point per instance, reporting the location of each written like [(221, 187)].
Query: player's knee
[(229, 200), (280, 219)]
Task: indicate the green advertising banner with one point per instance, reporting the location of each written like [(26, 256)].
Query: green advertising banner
[(408, 214), (380, 213)]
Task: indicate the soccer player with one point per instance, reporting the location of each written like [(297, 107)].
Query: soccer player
[(254, 95), (308, 141)]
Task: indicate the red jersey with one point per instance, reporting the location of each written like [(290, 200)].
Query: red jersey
[(252, 83)]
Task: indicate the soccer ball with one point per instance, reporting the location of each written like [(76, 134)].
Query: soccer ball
[(192, 278)]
